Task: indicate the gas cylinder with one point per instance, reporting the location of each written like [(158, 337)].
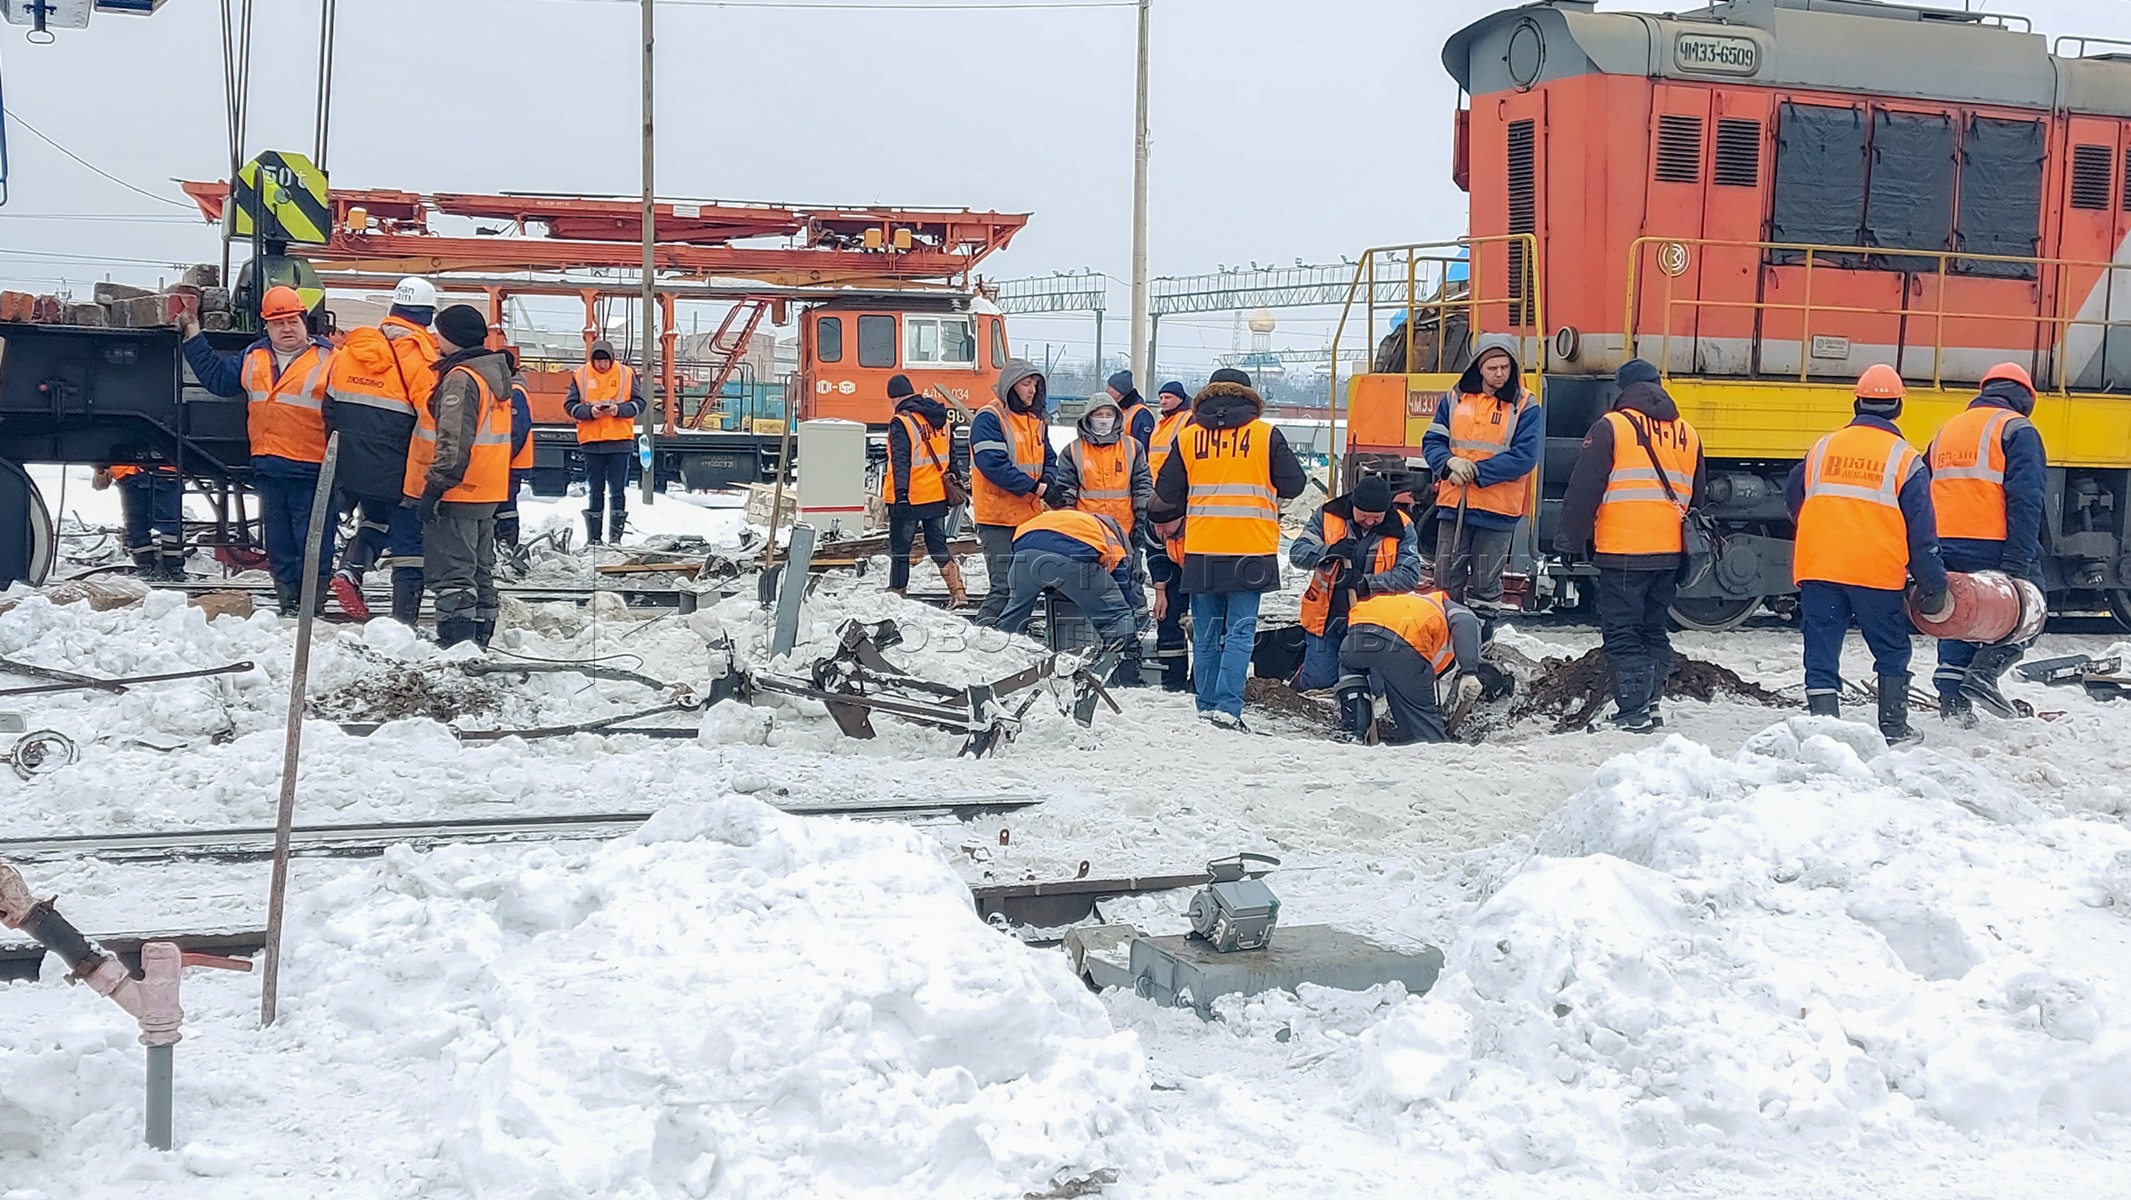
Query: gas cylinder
[(1988, 607)]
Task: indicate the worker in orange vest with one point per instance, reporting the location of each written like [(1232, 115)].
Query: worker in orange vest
[(379, 374), (1086, 557), (1226, 477), (1104, 471), (1862, 504), (152, 501), (1010, 447), (917, 485), (458, 471), (605, 399), (1640, 471), (1989, 476), (1355, 546), (283, 377), (1402, 646), (507, 532), (1163, 547), (1484, 444)]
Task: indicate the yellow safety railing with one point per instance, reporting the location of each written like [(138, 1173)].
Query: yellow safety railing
[(2054, 378), (1523, 306)]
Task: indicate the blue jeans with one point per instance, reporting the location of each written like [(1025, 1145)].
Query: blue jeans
[(285, 514), (1826, 609), (1224, 629), (1320, 659), (607, 476)]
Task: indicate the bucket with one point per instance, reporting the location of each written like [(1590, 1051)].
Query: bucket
[(1988, 608)]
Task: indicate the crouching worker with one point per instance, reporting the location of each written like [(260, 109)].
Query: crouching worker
[(1400, 647), (1356, 546), (1084, 557)]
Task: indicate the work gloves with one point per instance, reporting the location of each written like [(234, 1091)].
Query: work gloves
[(1468, 689), (425, 509), (1344, 550), (1461, 470), (1936, 604)]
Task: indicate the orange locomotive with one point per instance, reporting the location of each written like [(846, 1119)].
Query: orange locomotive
[(1766, 197)]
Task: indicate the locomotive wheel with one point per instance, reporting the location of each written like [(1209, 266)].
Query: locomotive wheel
[(2120, 607), (1709, 614), (28, 548)]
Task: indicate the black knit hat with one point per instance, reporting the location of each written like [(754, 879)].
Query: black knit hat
[(463, 326), (1372, 494), (899, 387), (1229, 375)]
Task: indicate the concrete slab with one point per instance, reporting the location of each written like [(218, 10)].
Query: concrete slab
[(1186, 972)]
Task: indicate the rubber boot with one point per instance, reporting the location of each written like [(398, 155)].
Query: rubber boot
[(1127, 673), (1980, 682), (145, 565), (1894, 710), (1357, 709), (957, 593), (453, 630), (1824, 704), (287, 600), (1956, 709), (406, 600), (173, 566), (484, 632), (617, 524), (592, 527), (1631, 701), (348, 593)]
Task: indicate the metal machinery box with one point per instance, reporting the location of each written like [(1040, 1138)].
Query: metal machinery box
[(832, 475), (1184, 971)]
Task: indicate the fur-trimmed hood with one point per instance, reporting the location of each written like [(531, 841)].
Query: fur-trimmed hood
[(1226, 406)]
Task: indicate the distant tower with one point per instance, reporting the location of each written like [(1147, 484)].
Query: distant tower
[(1262, 325)]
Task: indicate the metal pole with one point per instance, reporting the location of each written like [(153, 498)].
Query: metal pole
[(1098, 355), (160, 1068), (1142, 352), (1154, 335), (652, 374), (292, 744)]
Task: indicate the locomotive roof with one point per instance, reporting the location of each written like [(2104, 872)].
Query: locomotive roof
[(1830, 45)]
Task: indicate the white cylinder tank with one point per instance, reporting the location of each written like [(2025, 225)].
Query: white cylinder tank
[(832, 475)]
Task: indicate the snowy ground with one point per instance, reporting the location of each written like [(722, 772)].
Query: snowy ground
[(1760, 957)]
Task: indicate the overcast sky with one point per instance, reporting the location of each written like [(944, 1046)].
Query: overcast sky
[(1282, 129)]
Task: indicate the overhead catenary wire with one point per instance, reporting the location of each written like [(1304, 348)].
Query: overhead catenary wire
[(41, 136)]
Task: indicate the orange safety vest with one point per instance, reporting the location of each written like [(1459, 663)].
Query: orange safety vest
[(1232, 508), (1968, 474), (1480, 428), (392, 367), (1850, 528), (128, 472), (928, 463), (613, 387), (1085, 528), (1417, 618), (523, 459), (1026, 439), (1106, 478), (1163, 440), (286, 415), (1636, 516), (1317, 596), (488, 471)]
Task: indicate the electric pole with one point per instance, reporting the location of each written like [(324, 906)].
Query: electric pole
[(652, 374), (1140, 359)]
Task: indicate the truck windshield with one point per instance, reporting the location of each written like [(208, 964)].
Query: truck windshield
[(944, 341)]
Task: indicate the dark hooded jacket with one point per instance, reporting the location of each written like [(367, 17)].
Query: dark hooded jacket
[(630, 408), (932, 413), (2026, 481), (457, 405), (1140, 417), (1527, 441), (1225, 406), (1594, 470)]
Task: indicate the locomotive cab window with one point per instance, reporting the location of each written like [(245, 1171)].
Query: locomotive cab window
[(998, 342), (943, 341), (829, 339), (876, 341)]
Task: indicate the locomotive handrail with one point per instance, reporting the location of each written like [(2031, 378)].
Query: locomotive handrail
[(1447, 253), (2057, 372)]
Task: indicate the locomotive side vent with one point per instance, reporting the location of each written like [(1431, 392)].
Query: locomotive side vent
[(2090, 176), (1679, 148), (1738, 152), (2127, 183), (1523, 213)]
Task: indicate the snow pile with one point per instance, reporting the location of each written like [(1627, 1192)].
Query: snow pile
[(1709, 959), (731, 1002)]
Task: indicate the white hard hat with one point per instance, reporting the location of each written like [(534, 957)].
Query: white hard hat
[(415, 292)]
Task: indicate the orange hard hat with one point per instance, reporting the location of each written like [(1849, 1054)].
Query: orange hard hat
[(1880, 382), (2010, 370), (281, 302)]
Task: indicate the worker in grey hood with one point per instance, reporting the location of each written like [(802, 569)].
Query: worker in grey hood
[(1483, 445), (1010, 451)]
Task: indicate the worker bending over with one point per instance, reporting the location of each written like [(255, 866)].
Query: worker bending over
[(915, 487), (1639, 473), (1355, 546), (605, 399), (1010, 447), (458, 470), (283, 377), (1083, 556), (152, 501), (1484, 444), (1862, 503), (1988, 476), (1400, 647), (380, 374), (1104, 471)]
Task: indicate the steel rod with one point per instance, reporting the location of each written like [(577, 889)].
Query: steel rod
[(161, 1071)]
